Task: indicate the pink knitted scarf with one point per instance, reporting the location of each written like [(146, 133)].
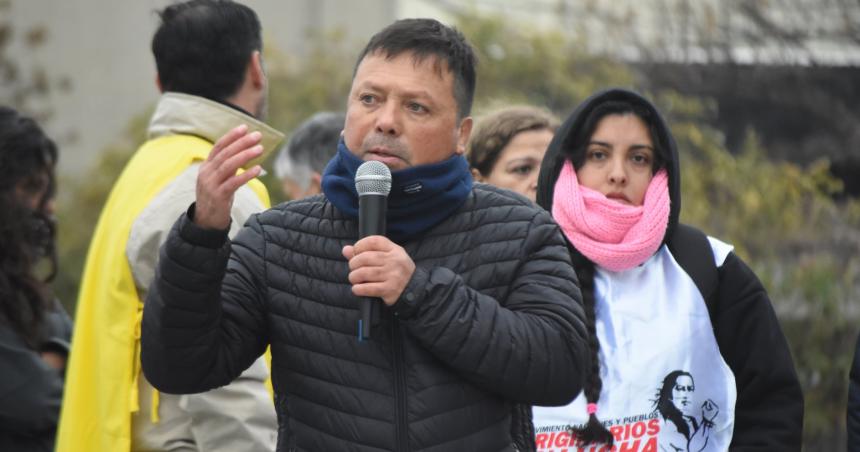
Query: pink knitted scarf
[(613, 235)]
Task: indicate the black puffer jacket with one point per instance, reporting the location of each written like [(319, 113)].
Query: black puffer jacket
[(490, 318)]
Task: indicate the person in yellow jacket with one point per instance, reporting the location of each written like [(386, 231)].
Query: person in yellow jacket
[(207, 54)]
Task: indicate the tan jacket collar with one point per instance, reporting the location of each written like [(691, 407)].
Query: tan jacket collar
[(184, 114)]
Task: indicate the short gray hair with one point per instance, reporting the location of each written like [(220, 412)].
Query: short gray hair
[(310, 148)]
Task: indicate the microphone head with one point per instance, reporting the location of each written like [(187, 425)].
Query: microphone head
[(373, 178)]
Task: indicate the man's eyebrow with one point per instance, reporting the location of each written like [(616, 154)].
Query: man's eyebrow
[(409, 94)]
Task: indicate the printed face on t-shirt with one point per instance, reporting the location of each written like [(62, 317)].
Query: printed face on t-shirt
[(682, 394)]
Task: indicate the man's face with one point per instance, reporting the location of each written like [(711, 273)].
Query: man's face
[(403, 113)]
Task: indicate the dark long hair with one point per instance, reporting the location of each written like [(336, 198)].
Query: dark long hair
[(594, 431), (666, 406), (27, 160)]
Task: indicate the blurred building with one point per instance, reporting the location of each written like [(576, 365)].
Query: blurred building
[(757, 59)]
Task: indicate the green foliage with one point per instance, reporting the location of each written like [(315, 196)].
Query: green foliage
[(822, 335), (518, 65), (746, 197), (320, 82)]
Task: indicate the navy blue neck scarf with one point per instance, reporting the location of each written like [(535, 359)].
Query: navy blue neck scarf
[(421, 196)]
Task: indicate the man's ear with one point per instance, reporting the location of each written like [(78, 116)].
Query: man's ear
[(463, 134), (316, 183), (158, 83), (476, 175), (256, 73)]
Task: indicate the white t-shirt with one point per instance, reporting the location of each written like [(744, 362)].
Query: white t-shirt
[(657, 349)]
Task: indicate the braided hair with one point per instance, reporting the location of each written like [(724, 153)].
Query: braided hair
[(594, 432)]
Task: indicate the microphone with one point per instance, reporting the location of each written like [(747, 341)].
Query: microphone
[(373, 183)]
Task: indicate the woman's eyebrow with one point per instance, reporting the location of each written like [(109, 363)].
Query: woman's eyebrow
[(600, 143), (642, 146)]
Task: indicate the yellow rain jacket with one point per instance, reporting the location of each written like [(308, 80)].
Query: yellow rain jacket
[(101, 390)]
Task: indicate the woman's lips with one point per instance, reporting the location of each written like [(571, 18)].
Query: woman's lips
[(618, 197)]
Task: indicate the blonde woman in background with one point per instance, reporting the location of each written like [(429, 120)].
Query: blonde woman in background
[(507, 146)]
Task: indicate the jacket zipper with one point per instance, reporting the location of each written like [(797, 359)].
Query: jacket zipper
[(402, 426)]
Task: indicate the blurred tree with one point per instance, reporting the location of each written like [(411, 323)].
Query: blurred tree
[(771, 65), (546, 69), (298, 89), (80, 203), (25, 87)]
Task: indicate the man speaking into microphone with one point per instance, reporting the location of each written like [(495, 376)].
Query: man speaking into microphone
[(480, 312)]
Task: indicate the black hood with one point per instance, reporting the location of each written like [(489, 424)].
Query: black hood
[(560, 149)]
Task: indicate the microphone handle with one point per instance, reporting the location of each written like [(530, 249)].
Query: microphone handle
[(371, 221)]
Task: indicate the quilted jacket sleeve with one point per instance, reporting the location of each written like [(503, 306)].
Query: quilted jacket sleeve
[(203, 321), (529, 347), (769, 409)]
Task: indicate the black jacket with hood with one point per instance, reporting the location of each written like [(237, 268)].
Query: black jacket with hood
[(769, 408), (491, 317)]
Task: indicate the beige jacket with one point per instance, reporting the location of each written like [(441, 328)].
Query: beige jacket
[(237, 417)]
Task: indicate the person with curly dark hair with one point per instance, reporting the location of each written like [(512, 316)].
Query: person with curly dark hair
[(34, 328)]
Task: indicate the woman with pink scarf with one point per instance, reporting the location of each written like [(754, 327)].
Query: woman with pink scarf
[(611, 180)]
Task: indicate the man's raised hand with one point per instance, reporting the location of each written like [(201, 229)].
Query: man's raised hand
[(218, 179)]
